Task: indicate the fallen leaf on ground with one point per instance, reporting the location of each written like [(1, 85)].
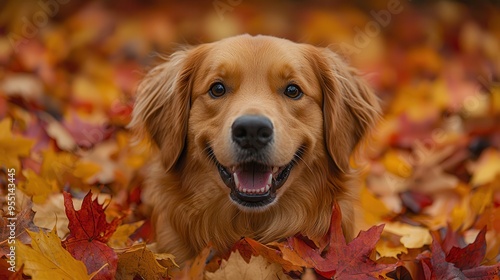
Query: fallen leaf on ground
[(139, 261), (411, 236), (342, 260), (47, 259), (195, 268), (387, 249), (89, 232), (52, 214), (121, 237), (38, 187), (256, 269), (374, 209), (12, 147), (487, 167), (22, 223), (458, 264), (290, 262)]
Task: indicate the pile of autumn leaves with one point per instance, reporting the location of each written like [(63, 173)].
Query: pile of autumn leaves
[(88, 252), (436, 209), (99, 242)]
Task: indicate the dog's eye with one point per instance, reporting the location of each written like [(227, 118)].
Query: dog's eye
[(293, 91), (217, 90)]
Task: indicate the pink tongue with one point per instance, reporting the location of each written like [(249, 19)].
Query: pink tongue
[(252, 180)]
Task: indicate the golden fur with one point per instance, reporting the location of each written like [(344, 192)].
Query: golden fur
[(191, 204)]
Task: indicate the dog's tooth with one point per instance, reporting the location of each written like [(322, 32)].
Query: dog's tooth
[(244, 190), (267, 188), (270, 179), (236, 182), (262, 189)]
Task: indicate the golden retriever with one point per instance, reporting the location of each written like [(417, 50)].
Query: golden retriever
[(254, 137)]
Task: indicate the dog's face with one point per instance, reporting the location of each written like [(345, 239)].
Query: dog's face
[(258, 110), (256, 115)]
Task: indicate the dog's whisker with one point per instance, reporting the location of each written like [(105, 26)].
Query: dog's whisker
[(209, 154), (298, 156), (305, 163)]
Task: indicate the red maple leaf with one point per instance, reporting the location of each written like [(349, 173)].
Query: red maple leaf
[(470, 256), (459, 263), (342, 260), (89, 232)]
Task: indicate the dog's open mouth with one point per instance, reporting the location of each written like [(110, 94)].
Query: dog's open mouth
[(253, 184)]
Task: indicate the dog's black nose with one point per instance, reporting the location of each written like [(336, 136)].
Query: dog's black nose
[(252, 131)]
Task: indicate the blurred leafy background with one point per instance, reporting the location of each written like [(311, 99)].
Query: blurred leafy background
[(69, 70)]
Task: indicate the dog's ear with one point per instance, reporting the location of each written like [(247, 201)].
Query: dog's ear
[(163, 101), (350, 107)]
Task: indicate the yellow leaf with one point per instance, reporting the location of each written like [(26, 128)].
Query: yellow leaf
[(421, 101), (99, 92), (139, 261), (12, 147), (386, 249), (481, 198), (56, 166), (460, 216), (47, 259), (37, 187), (487, 168), (411, 236), (135, 155), (236, 268), (86, 170), (120, 238), (396, 164), (374, 208)]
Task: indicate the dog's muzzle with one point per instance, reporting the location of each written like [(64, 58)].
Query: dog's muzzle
[(253, 182)]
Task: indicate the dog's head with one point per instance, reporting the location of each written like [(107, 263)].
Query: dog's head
[(258, 110)]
